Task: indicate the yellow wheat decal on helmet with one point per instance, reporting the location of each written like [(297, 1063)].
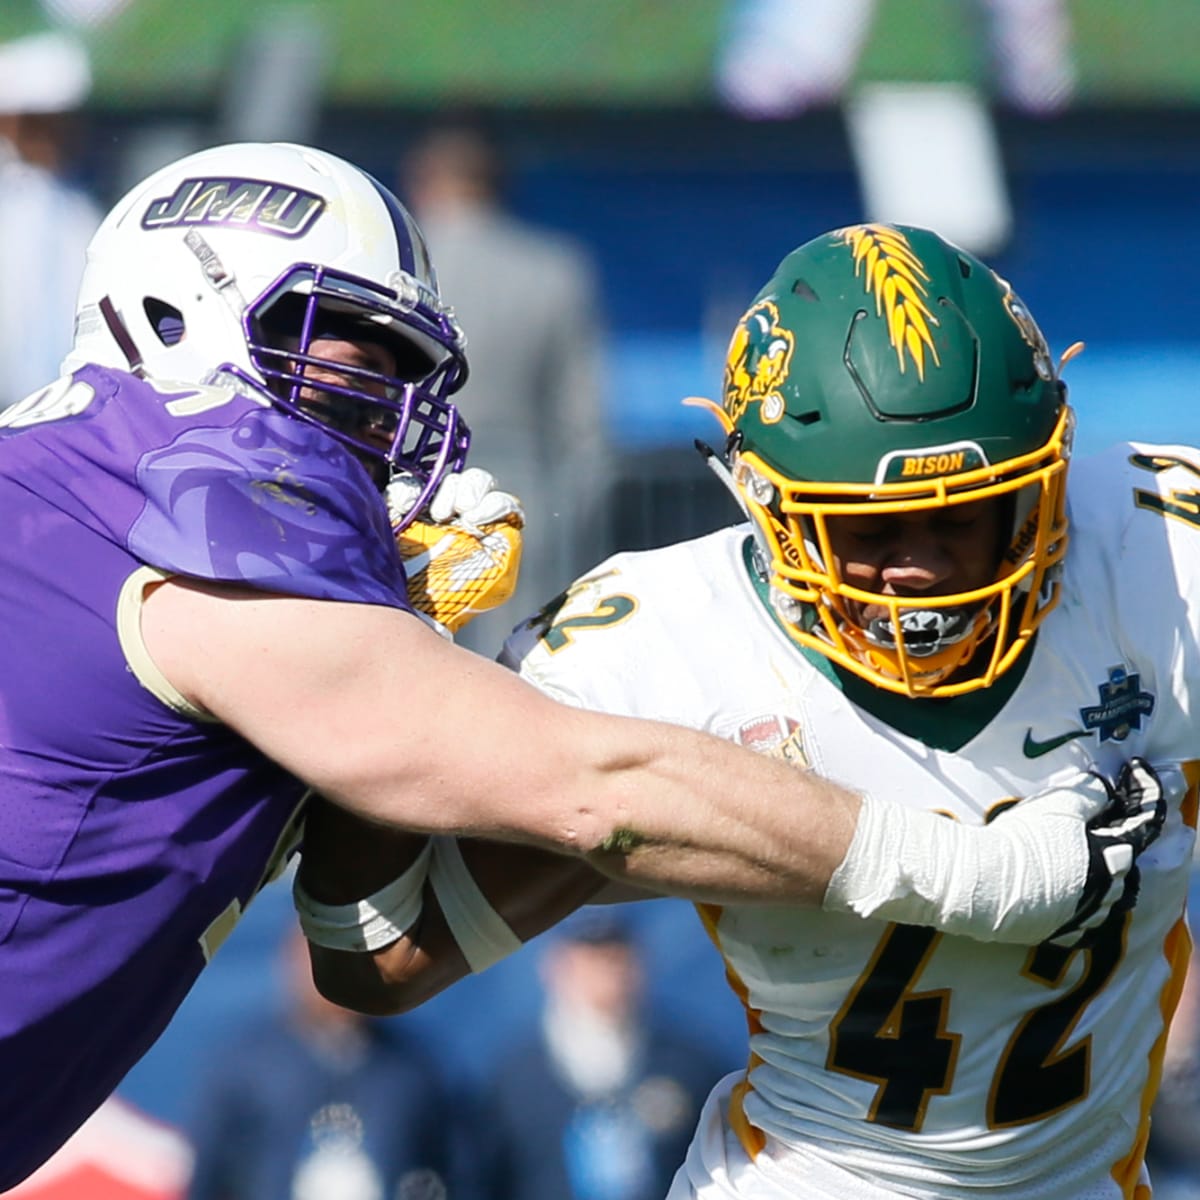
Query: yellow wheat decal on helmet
[(896, 277)]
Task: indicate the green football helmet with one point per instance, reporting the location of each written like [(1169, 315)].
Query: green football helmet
[(883, 370)]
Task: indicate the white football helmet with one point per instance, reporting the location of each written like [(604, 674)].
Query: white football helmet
[(233, 261)]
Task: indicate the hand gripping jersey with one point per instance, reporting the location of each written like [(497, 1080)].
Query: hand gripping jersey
[(134, 831), (890, 1060)]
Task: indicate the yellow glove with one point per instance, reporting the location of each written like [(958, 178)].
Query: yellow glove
[(464, 559)]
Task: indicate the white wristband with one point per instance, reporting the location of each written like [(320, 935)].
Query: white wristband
[(1017, 879), (482, 934), (370, 924)]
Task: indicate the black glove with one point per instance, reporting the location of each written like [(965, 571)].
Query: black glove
[(1116, 838)]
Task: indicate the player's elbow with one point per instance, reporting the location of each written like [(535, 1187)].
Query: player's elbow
[(384, 983)]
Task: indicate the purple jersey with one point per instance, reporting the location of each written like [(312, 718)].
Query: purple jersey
[(132, 837)]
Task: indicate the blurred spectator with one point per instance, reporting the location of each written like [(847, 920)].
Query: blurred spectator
[(526, 298), (602, 1103), (45, 224), (323, 1104), (778, 57)]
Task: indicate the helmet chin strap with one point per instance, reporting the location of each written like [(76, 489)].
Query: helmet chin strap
[(790, 609), (717, 466)]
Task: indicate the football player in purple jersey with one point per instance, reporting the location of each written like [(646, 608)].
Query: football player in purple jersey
[(205, 623)]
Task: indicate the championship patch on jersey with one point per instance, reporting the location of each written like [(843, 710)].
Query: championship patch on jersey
[(254, 204), (775, 735), (1122, 707)]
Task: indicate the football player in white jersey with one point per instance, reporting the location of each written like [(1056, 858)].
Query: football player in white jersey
[(901, 613)]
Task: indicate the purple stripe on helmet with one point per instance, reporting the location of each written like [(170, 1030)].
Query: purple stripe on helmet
[(414, 257)]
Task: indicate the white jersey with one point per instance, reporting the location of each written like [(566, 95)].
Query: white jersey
[(893, 1060)]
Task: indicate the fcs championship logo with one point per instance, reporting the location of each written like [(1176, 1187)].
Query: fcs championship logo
[(893, 274), (760, 355)]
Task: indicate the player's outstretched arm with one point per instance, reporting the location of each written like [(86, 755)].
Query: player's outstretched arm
[(391, 722), (385, 718), (499, 896)]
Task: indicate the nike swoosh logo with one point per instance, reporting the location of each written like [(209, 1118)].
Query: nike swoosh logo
[(1035, 749)]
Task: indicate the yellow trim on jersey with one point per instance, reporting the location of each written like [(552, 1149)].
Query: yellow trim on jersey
[(129, 631), (1177, 949), (752, 1138), (1191, 801), (286, 844)]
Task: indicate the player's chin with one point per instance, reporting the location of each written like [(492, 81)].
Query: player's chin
[(374, 461), (378, 469)]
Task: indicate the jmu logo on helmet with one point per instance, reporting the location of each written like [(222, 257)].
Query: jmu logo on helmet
[(256, 204), (759, 358)]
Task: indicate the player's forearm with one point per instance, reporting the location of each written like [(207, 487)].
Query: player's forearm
[(346, 859), (714, 826), (699, 818), (537, 891)]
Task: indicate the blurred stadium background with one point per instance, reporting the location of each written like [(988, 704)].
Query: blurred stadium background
[(615, 133)]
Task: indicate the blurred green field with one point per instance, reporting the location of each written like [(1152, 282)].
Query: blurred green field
[(622, 52)]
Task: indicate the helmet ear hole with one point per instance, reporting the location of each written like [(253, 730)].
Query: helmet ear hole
[(165, 319)]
